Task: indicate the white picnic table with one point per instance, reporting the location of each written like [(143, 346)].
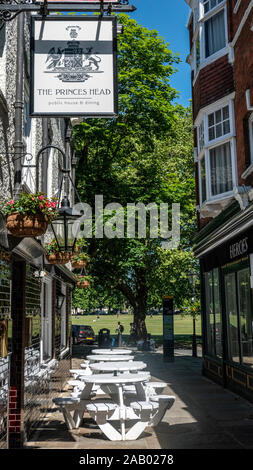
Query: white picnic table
[(147, 410), (118, 366), (104, 358), (117, 352), (102, 413)]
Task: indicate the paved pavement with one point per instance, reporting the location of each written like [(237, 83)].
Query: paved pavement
[(204, 416)]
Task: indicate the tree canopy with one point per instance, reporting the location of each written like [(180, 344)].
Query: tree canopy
[(143, 156)]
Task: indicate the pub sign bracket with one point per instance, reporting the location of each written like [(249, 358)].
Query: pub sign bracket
[(9, 9)]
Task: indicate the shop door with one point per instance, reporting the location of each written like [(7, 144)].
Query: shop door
[(239, 316)]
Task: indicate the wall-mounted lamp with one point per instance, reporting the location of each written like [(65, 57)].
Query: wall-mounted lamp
[(59, 300)]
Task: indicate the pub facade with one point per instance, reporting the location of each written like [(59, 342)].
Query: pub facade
[(35, 296), (221, 61)]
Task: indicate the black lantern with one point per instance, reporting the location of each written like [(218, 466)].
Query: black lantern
[(59, 300), (61, 227)]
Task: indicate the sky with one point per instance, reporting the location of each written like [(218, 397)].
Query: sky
[(169, 18)]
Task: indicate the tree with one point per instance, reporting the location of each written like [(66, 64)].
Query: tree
[(144, 156)]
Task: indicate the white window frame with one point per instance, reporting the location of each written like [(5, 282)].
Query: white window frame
[(211, 9), (202, 124), (200, 31), (231, 123), (219, 196), (208, 145)]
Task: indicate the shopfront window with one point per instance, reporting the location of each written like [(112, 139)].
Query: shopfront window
[(245, 311), (209, 313), (240, 316), (231, 309), (218, 314), (213, 313)]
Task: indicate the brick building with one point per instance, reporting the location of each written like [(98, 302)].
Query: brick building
[(221, 60), (35, 322)]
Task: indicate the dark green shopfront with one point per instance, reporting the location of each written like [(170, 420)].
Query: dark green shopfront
[(225, 250)]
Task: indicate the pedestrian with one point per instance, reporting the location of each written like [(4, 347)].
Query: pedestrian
[(119, 330)]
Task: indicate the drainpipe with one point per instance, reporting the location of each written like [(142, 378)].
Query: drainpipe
[(19, 106), (73, 166), (67, 151), (45, 154)]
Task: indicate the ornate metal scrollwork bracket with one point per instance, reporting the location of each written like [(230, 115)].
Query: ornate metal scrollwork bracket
[(9, 14), (9, 9)]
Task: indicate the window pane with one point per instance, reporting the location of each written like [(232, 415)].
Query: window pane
[(221, 169), (218, 315), (210, 325), (215, 33), (226, 127), (211, 133), (211, 120), (218, 116), (225, 113), (230, 293), (203, 179), (209, 4), (197, 52), (201, 136), (206, 6), (222, 121), (218, 131), (245, 312)]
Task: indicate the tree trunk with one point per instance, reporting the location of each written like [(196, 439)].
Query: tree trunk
[(139, 321), (140, 309), (138, 301)]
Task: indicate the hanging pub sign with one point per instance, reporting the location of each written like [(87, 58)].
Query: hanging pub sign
[(74, 66)]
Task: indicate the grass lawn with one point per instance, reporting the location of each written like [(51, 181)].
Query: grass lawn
[(183, 326)]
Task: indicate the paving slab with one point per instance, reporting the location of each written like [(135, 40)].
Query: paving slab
[(204, 416)]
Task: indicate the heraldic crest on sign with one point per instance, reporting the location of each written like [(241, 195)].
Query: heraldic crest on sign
[(72, 63)]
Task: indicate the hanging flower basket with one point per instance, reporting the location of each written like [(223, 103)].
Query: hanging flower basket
[(54, 255), (59, 257), (82, 282), (79, 264), (29, 215), (25, 225), (79, 261)]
